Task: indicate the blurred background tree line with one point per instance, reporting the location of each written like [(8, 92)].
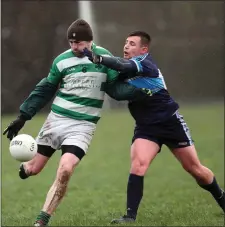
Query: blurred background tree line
[(187, 43)]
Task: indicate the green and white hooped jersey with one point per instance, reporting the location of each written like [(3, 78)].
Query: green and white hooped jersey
[(80, 94)]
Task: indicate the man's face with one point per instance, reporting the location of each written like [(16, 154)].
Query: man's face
[(133, 47), (78, 46)]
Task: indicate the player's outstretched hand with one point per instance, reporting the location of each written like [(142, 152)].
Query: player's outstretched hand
[(92, 56), (14, 127)]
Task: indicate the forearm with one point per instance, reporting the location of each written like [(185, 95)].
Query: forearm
[(122, 91), (118, 64), (39, 97)]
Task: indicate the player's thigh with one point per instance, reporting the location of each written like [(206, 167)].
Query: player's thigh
[(143, 151), (71, 156), (78, 140), (43, 154), (74, 147), (45, 151), (76, 151), (38, 162), (187, 156)]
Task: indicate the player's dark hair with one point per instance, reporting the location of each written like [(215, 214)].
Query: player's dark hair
[(145, 37), (80, 30)]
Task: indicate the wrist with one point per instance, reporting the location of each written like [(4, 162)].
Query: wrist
[(23, 117)]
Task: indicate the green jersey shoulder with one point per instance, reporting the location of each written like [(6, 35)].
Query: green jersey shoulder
[(100, 50), (55, 73)]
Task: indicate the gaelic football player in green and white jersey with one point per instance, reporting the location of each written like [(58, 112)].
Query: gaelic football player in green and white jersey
[(78, 84)]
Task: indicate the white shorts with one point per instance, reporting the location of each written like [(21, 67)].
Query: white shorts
[(59, 130)]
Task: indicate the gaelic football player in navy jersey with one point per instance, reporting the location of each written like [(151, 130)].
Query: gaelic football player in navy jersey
[(158, 122)]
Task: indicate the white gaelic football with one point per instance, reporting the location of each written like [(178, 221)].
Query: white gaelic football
[(23, 147)]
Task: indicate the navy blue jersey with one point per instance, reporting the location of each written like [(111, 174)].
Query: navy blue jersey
[(158, 105)]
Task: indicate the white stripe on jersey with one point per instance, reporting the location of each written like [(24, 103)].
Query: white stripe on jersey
[(93, 111), (162, 77), (68, 62)]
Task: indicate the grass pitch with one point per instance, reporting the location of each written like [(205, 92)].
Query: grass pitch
[(97, 191)]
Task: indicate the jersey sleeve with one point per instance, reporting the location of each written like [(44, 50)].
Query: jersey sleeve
[(54, 75), (144, 65), (112, 74)]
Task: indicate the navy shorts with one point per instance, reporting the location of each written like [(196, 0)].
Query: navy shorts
[(174, 132)]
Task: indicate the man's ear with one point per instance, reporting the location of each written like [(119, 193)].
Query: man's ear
[(144, 49), (89, 44)]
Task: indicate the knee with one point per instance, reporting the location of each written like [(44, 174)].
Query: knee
[(67, 165), (139, 167), (33, 168), (35, 165)]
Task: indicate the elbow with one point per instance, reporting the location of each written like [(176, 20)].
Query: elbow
[(122, 69), (126, 69)]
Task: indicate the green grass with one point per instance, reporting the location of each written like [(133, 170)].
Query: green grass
[(97, 191)]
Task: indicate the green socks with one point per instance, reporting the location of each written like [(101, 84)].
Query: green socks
[(43, 218)]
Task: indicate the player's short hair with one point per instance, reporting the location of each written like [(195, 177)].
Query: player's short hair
[(80, 30), (145, 37)]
